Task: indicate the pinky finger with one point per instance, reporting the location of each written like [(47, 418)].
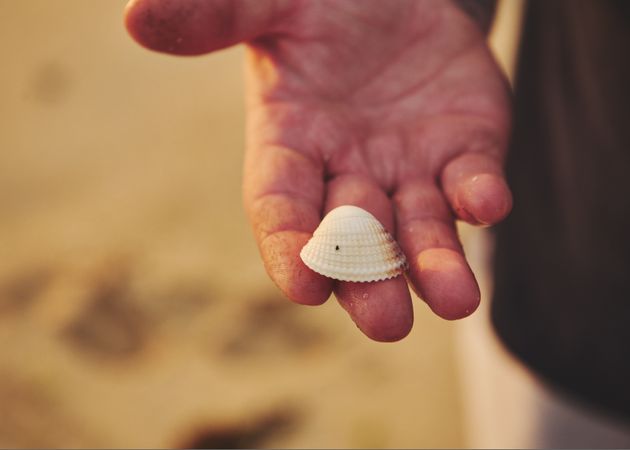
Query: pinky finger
[(476, 189)]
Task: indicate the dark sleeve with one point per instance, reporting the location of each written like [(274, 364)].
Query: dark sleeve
[(562, 264), (481, 11)]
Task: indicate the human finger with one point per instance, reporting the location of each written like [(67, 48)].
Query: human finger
[(476, 189), (438, 270), (283, 197), (382, 310), (193, 27)]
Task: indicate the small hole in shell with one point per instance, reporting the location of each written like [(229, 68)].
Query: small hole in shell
[(336, 247)]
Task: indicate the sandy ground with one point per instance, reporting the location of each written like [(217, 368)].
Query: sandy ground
[(134, 309)]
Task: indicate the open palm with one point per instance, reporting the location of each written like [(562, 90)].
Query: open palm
[(396, 107)]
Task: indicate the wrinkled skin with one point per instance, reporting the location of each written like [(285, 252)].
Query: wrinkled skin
[(393, 106)]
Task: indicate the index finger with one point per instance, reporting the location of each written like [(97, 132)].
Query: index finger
[(283, 197)]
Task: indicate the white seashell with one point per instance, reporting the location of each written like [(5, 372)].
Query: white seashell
[(350, 244)]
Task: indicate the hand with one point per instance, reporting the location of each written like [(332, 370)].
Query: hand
[(394, 106)]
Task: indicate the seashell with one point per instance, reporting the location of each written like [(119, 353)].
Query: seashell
[(350, 244)]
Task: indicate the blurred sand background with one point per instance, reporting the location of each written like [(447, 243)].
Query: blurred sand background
[(134, 308)]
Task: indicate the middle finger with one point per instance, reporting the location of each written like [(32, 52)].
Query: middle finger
[(382, 310)]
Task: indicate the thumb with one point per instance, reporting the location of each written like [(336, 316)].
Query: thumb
[(193, 27)]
